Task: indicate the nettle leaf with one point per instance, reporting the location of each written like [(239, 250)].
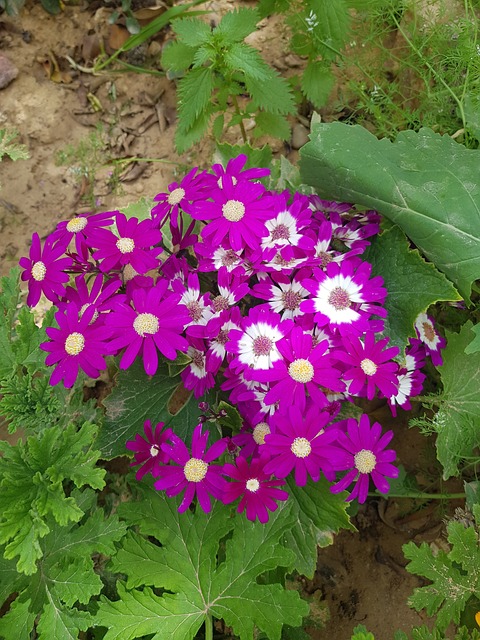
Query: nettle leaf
[(455, 576), (403, 269), (243, 57), (425, 183), (177, 56), (319, 515), (457, 421), (272, 93), (191, 31), (317, 82), (187, 565), (272, 124), (333, 20), (194, 94), (31, 487), (238, 24), (187, 136), (138, 397)]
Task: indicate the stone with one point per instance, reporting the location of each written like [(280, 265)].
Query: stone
[(8, 71), (299, 136)]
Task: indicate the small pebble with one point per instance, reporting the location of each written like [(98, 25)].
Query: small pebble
[(299, 136), (8, 71)]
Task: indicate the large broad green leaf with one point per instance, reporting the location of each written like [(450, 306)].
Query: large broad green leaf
[(188, 565), (425, 183), (319, 514), (412, 284), (457, 421), (138, 397)]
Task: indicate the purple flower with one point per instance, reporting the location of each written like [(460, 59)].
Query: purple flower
[(148, 451), (370, 365), (344, 297), (234, 171), (76, 344), (44, 270), (193, 473), (284, 293), (180, 196), (249, 440), (155, 322), (238, 212), (257, 490), (430, 337), (364, 456), (132, 245), (101, 294), (195, 376), (81, 227), (300, 442), (302, 370)]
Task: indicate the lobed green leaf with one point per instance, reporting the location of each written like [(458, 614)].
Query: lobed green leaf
[(238, 24)]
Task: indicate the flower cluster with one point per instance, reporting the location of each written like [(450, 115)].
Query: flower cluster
[(288, 322)]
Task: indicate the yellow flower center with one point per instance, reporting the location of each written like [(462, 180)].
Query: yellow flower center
[(261, 430), (195, 470), (301, 370), (233, 210), (176, 196), (77, 224), (369, 368), (146, 323), (154, 450), (125, 245), (365, 461), (74, 343), (39, 271), (301, 447), (252, 485)]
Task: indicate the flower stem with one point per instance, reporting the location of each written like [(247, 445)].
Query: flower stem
[(208, 627), (420, 495)]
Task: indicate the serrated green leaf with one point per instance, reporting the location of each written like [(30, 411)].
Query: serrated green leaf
[(140, 209), (242, 57), (177, 56), (272, 94), (137, 398), (272, 124), (257, 157), (319, 515), (401, 268), (191, 31), (474, 345), (237, 24), (457, 421), (317, 82), (471, 107), (187, 137), (74, 581), (455, 576), (17, 623), (425, 183), (61, 623), (186, 564), (13, 150), (332, 24), (194, 94)]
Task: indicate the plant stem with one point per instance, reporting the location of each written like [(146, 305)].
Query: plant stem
[(420, 495), (237, 111), (435, 400), (209, 627)]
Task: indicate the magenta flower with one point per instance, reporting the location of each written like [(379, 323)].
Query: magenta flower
[(148, 451), (364, 455), (370, 365), (76, 344), (81, 227), (155, 322), (236, 172), (238, 212), (133, 245), (45, 270), (180, 196), (302, 370), (100, 294), (300, 442), (257, 490), (430, 337), (195, 376), (193, 473)]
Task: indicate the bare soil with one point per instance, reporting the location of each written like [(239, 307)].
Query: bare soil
[(362, 577)]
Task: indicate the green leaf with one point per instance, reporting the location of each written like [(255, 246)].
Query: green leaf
[(243, 57), (177, 56), (75, 581), (425, 183), (455, 576), (238, 24), (272, 94), (140, 209), (192, 32), (471, 108), (333, 22), (317, 82), (137, 398), (272, 124), (61, 623), (13, 150), (457, 421), (17, 623), (194, 93), (257, 157), (187, 564), (474, 345), (52, 6), (186, 137), (401, 269), (31, 487), (319, 515)]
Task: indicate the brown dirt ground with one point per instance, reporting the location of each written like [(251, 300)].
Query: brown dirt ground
[(361, 577)]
